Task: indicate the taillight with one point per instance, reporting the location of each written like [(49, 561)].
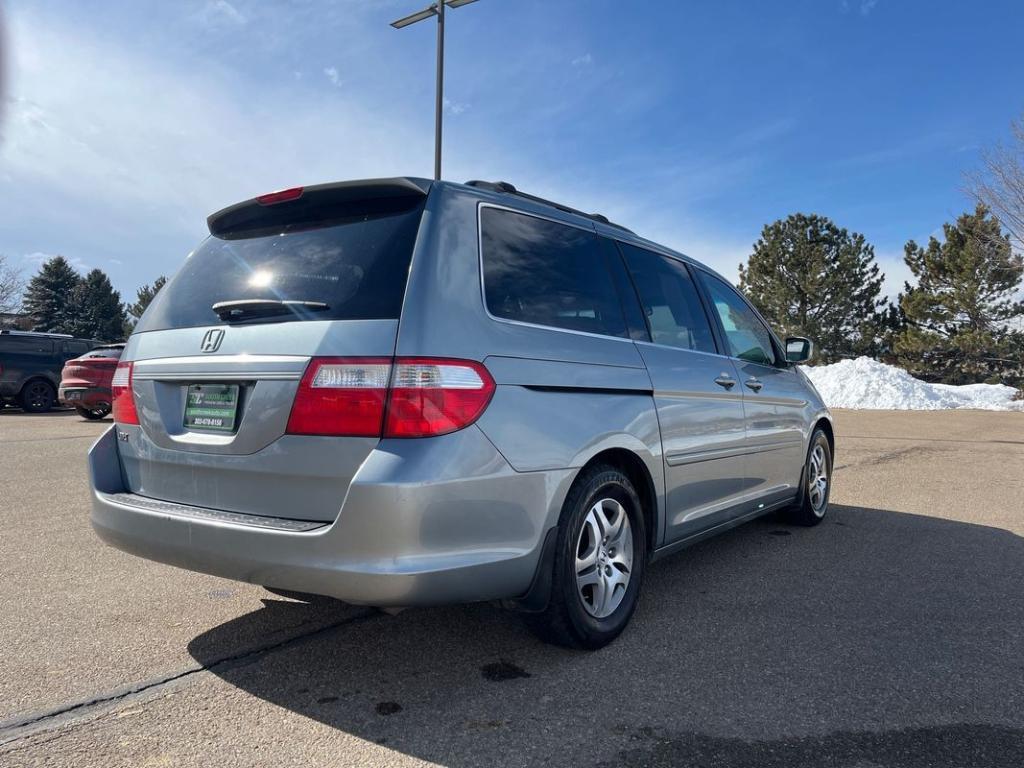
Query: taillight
[(121, 395), (435, 397), (374, 397), (341, 396)]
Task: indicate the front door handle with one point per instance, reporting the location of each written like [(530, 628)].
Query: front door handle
[(725, 380), (754, 384)]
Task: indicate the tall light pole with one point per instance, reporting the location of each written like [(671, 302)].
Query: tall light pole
[(437, 9)]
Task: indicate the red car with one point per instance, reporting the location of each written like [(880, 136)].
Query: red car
[(85, 381)]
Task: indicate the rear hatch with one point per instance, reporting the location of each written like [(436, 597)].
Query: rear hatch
[(219, 356)]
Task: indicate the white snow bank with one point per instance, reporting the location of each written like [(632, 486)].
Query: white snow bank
[(868, 384)]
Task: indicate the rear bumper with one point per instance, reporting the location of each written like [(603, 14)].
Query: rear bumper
[(83, 395), (405, 535)]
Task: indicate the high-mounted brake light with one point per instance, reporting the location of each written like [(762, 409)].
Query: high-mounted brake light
[(374, 397), (121, 395), (280, 196)]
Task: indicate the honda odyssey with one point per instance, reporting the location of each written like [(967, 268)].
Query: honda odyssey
[(401, 393)]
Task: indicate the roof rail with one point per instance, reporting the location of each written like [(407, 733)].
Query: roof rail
[(506, 188), (12, 332)]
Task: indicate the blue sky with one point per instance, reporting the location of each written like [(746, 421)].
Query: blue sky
[(693, 123)]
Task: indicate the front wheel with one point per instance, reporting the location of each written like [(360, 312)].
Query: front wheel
[(599, 562), (812, 505)]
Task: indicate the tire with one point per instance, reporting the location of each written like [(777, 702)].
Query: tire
[(37, 396), (589, 616), (93, 414), (816, 483)]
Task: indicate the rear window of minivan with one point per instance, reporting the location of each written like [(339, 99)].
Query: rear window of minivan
[(357, 263)]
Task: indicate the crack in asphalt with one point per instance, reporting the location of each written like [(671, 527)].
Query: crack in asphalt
[(19, 728), (47, 439), (933, 439), (889, 456), (965, 745)]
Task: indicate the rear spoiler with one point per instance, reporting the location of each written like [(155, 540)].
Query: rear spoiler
[(307, 204)]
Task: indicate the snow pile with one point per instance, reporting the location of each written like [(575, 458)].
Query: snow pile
[(869, 384)]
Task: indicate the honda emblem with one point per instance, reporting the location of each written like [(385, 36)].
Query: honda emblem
[(212, 340)]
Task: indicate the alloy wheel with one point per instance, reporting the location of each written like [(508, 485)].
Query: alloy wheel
[(38, 396)]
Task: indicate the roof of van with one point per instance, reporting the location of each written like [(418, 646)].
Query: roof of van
[(304, 201)]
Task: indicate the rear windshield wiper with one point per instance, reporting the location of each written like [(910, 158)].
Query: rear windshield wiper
[(246, 309)]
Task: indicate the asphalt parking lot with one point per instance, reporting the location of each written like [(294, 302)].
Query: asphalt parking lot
[(891, 635)]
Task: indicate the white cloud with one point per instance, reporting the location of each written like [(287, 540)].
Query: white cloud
[(119, 155), (867, 6), (35, 260), (106, 124), (896, 274), (220, 12), (582, 61), (454, 107), (333, 75)]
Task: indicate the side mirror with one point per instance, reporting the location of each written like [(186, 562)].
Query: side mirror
[(798, 349)]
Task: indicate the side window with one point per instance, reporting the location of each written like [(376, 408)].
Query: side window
[(537, 271), (669, 298), (76, 348), (746, 335), (27, 345)]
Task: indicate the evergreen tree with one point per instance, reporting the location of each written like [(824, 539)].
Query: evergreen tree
[(99, 311), (144, 296), (960, 314), (48, 298), (811, 278)]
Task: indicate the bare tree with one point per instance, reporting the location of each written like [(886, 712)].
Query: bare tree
[(1000, 183), (11, 286)]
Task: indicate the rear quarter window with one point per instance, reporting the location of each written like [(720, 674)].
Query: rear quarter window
[(544, 273)]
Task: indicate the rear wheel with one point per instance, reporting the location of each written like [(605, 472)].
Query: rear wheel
[(37, 396), (810, 509), (94, 413), (599, 562)]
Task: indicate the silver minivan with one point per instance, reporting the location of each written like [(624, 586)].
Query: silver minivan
[(400, 392)]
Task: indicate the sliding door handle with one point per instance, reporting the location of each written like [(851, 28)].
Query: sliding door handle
[(754, 384), (725, 380)]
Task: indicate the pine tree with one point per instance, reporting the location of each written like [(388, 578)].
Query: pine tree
[(48, 298), (960, 314), (99, 311), (811, 278), (144, 296)]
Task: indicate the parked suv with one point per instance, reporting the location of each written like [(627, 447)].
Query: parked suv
[(85, 381), (401, 392), (30, 366)]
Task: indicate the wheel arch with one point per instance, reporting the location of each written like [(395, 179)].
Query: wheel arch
[(38, 377), (635, 468), (825, 425)]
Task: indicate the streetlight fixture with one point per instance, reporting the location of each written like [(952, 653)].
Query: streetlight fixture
[(437, 9)]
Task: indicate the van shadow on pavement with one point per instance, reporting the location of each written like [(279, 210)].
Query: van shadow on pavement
[(877, 638)]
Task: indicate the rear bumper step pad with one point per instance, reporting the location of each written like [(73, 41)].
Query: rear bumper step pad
[(214, 515)]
